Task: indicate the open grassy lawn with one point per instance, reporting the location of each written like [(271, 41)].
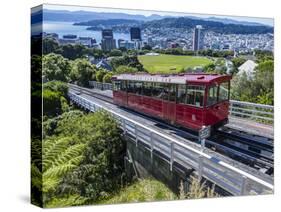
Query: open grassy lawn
[(166, 64), (140, 191)]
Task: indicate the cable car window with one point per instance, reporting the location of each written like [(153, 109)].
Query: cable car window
[(147, 88), (165, 92), (138, 88), (116, 85), (157, 90), (131, 87), (181, 95), (191, 95), (224, 91), (172, 95), (195, 95), (123, 86), (212, 95)]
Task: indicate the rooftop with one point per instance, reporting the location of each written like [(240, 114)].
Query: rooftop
[(177, 78)]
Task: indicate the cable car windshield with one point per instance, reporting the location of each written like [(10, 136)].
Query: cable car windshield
[(218, 93)]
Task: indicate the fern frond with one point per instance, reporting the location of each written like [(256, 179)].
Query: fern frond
[(51, 150), (36, 177), (70, 155), (59, 158)]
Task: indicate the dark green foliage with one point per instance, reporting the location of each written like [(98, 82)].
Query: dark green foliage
[(115, 53), (210, 68), (259, 88), (72, 52), (51, 103), (125, 69), (107, 77), (185, 22), (147, 47), (107, 22), (82, 72), (50, 45), (56, 67), (101, 169), (238, 61), (82, 158), (36, 68), (97, 53), (205, 52), (263, 55), (57, 86), (131, 61), (100, 74), (54, 98)]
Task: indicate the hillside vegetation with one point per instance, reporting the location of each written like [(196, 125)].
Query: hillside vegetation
[(140, 191)]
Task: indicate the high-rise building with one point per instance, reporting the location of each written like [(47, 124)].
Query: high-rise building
[(107, 34), (135, 33), (108, 42), (127, 44), (198, 38), (119, 41)]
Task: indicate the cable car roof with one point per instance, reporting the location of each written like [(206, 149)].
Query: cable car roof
[(175, 78)]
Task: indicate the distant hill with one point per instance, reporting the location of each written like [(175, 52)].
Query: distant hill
[(81, 16), (215, 26), (109, 22), (232, 21)]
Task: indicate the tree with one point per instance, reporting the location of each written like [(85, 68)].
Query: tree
[(259, 88), (56, 67), (100, 74), (264, 82), (237, 62), (126, 69), (102, 167), (115, 53), (210, 68), (57, 86), (107, 77), (263, 55), (82, 72), (147, 47), (73, 52), (51, 103), (127, 60), (54, 98), (50, 45)]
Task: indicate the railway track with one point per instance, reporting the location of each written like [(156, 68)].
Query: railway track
[(255, 151)]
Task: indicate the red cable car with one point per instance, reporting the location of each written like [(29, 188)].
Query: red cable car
[(188, 100)]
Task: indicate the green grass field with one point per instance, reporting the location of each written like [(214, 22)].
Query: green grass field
[(166, 64)]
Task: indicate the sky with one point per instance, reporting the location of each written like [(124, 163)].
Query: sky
[(267, 21)]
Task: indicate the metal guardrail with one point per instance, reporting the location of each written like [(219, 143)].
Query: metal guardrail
[(253, 111), (230, 178), (100, 85), (245, 110)]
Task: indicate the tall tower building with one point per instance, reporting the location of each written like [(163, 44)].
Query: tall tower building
[(108, 42), (135, 33), (198, 38)]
